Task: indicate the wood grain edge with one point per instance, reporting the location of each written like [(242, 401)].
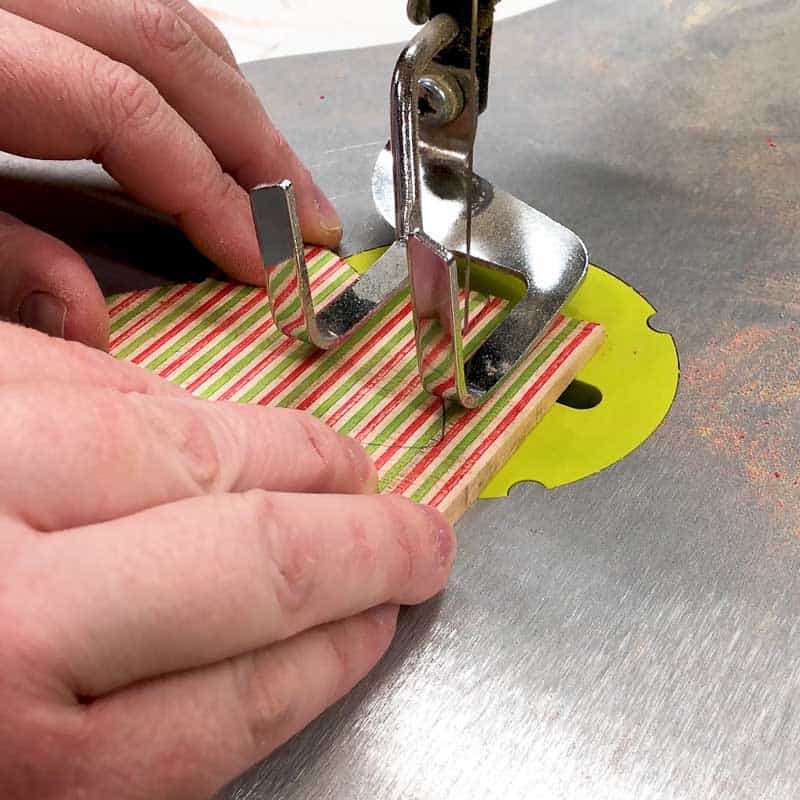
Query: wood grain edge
[(469, 492)]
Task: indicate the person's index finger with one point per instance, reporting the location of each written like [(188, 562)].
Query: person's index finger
[(64, 100), (151, 450), (253, 447), (168, 44), (30, 357)]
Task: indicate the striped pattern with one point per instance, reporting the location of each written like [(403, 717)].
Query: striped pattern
[(218, 341)]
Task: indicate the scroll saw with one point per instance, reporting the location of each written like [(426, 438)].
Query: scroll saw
[(633, 634), (425, 185)]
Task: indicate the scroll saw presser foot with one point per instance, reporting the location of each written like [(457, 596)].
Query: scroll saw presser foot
[(424, 184)]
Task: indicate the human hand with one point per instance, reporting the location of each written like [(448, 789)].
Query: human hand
[(149, 89), (185, 584)]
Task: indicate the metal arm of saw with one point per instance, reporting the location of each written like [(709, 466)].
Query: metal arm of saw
[(457, 54)]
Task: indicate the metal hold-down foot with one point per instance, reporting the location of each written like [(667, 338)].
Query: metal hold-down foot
[(288, 285), (424, 184)]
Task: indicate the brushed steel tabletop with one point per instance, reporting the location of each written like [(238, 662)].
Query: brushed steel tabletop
[(633, 635)]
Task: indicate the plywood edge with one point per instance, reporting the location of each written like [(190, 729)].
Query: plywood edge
[(469, 491)]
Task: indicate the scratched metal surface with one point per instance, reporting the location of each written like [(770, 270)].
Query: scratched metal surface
[(634, 635)]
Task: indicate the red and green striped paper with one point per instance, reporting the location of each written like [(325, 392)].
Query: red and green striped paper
[(217, 340)]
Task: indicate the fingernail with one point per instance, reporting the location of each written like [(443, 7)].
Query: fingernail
[(365, 468), (328, 216), (444, 537), (43, 312), (384, 615)]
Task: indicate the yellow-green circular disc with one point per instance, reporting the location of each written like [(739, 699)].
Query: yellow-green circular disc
[(637, 372)]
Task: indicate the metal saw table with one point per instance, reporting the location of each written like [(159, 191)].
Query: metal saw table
[(633, 635)]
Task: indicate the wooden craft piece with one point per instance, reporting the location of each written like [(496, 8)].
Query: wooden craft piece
[(217, 340)]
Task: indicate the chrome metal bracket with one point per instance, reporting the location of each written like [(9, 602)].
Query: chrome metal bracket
[(424, 184), (288, 282), (431, 174), (281, 242)]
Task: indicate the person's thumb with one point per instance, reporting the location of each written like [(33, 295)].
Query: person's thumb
[(46, 285)]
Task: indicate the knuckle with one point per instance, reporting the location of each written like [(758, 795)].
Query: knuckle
[(229, 191), (49, 754), (160, 28), (295, 573), (131, 98), (216, 40), (363, 555), (263, 507), (289, 551), (219, 44), (220, 190), (189, 437), (205, 28), (198, 448), (264, 685)]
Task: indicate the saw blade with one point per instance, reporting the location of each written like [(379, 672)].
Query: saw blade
[(473, 77)]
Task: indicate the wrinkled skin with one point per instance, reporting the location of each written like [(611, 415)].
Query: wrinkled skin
[(149, 89), (184, 585)]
